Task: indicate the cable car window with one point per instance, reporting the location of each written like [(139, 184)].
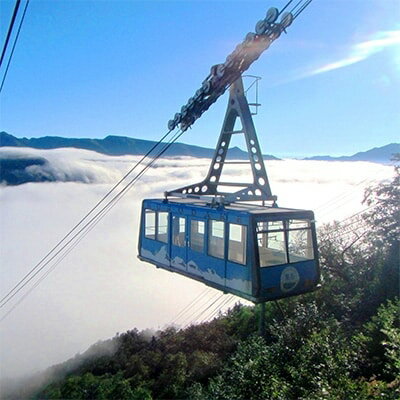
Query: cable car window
[(237, 243), (216, 236), (197, 235), (162, 227), (298, 224), (179, 231), (272, 248), (150, 224), (264, 226), (300, 245)]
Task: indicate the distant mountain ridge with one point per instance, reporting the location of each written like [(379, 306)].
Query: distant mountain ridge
[(378, 154), (118, 146), (122, 145)]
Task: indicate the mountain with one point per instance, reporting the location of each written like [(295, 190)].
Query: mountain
[(117, 146), (17, 170), (378, 154)]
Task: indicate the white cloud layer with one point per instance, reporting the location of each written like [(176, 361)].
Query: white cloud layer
[(101, 287)]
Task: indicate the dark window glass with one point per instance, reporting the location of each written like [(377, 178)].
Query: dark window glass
[(197, 235), (179, 231)]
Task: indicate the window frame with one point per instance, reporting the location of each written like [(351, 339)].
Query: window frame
[(147, 211), (209, 236), (175, 236), (203, 235), (158, 227), (243, 243), (286, 231)]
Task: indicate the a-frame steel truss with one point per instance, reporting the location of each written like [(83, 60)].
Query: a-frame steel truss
[(259, 189)]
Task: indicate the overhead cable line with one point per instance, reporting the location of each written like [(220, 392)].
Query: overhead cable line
[(89, 225), (286, 6), (188, 306), (10, 28), (91, 211), (15, 43), (206, 309), (217, 310), (301, 9), (199, 308)]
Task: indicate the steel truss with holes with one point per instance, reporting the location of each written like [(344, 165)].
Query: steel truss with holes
[(259, 189)]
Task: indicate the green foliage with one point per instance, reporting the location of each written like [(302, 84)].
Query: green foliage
[(381, 337), (88, 386), (308, 357), (384, 201)]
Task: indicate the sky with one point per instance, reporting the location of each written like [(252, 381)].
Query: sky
[(101, 287), (98, 68)]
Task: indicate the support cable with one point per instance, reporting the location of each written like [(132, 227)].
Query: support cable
[(10, 28), (84, 218), (15, 43), (216, 308), (188, 306), (286, 6), (301, 9), (206, 309), (216, 311), (189, 318), (93, 220)]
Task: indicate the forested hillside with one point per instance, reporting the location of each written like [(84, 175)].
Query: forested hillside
[(340, 342)]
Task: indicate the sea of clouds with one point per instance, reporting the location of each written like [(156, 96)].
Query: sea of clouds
[(101, 288)]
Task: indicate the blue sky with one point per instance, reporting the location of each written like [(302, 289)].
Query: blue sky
[(98, 68)]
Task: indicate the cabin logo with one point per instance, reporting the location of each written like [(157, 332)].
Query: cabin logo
[(289, 279)]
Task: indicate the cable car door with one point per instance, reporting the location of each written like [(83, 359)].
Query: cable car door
[(197, 256), (179, 242)]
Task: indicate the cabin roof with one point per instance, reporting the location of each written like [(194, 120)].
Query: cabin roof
[(248, 208)]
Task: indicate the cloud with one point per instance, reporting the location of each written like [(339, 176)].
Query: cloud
[(101, 287), (363, 50)]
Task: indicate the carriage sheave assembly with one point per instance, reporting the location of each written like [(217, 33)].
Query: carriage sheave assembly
[(232, 236)]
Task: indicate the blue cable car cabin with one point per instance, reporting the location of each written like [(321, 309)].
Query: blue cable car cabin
[(255, 252)]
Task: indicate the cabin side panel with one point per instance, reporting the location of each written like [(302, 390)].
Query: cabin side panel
[(154, 234)]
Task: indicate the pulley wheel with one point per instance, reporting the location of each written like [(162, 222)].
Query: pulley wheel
[(198, 94), (272, 15), (171, 124), (261, 27), (220, 71), (206, 87), (250, 37), (287, 19), (190, 102), (184, 111), (275, 33), (177, 118)]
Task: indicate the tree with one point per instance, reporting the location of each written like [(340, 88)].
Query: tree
[(384, 215)]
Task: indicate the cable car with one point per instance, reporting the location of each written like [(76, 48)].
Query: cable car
[(235, 240), (255, 252)]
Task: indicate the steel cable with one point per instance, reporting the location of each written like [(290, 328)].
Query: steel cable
[(94, 220), (85, 217), (15, 43), (10, 28)]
